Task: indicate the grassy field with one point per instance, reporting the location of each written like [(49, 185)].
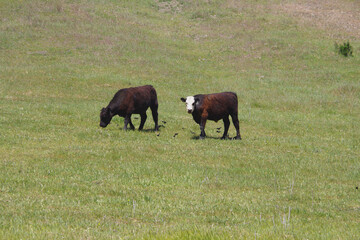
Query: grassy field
[(295, 174)]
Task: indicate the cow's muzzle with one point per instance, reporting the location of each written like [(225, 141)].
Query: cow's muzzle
[(189, 111)]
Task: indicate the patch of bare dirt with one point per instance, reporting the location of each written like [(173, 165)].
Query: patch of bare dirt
[(342, 18)]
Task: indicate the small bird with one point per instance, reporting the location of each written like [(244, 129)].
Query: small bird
[(175, 134), (157, 134), (164, 122), (218, 128), (218, 131)]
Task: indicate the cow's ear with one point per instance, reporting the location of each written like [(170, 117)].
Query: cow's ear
[(196, 99), (183, 99)]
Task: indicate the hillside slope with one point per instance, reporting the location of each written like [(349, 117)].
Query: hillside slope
[(294, 175)]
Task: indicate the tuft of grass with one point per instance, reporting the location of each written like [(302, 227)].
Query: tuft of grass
[(344, 49)]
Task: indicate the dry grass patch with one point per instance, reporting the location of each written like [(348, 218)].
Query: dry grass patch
[(169, 6), (347, 90), (336, 16)]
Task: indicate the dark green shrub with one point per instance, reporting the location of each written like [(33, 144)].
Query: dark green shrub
[(344, 49)]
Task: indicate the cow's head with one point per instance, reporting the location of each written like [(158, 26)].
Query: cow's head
[(190, 103), (105, 117)]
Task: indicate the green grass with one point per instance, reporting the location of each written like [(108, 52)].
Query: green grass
[(62, 176)]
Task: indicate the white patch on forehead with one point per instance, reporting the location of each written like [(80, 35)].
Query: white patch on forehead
[(190, 103)]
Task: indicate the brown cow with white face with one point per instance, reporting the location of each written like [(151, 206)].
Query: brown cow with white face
[(128, 101), (214, 107)]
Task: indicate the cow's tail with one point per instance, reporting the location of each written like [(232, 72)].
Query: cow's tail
[(154, 100), (235, 102), (154, 107), (234, 117)]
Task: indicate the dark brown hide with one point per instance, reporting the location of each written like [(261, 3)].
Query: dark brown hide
[(214, 107), (128, 101)]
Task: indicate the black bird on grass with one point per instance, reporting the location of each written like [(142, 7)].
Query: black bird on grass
[(175, 134)]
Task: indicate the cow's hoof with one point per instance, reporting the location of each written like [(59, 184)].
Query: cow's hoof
[(201, 138), (237, 138)]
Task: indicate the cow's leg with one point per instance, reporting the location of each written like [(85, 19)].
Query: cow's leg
[(131, 125), (127, 120), (226, 126), (143, 119), (202, 126), (235, 120), (154, 111)]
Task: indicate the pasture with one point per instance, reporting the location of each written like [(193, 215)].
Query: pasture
[(294, 175)]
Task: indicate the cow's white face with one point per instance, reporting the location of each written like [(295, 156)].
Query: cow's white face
[(190, 104)]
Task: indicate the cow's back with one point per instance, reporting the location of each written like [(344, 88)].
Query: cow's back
[(219, 105), (135, 99)]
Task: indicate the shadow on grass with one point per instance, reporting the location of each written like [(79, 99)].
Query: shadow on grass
[(148, 130), (210, 137), (152, 129)]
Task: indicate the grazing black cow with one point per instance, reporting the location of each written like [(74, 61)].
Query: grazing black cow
[(128, 101), (214, 107)]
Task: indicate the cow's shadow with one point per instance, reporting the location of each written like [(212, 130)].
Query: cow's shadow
[(151, 129), (143, 130), (209, 137), (212, 137), (148, 130)]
